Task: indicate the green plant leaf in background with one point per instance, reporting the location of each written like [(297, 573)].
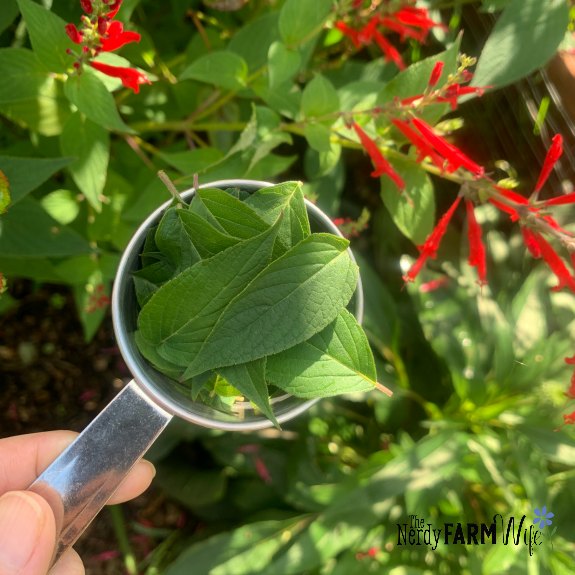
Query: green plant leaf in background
[(283, 64), (8, 14), (4, 192), (89, 94), (223, 69), (525, 37), (89, 143), (319, 98), (301, 20), (62, 205), (26, 174), (47, 35), (413, 211)]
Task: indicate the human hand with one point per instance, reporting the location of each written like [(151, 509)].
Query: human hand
[(27, 524)]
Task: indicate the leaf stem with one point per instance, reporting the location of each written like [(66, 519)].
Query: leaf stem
[(119, 525)]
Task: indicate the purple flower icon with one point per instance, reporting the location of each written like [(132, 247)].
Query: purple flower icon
[(542, 517)]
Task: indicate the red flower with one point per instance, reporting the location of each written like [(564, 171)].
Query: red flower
[(131, 78), (569, 419), (382, 166), (431, 245), (424, 149), (117, 37), (571, 391), (477, 256), (389, 51), (561, 200), (531, 242), (74, 34), (86, 6), (115, 5), (455, 91), (351, 33), (553, 155), (435, 74), (454, 156), (555, 263), (570, 360)]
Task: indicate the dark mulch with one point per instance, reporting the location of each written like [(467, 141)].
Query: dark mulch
[(50, 378)]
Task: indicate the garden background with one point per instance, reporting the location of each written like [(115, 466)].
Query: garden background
[(373, 107)]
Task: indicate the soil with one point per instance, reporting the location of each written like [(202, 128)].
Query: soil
[(51, 379)]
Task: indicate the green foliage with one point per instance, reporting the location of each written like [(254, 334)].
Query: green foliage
[(269, 92), (522, 23)]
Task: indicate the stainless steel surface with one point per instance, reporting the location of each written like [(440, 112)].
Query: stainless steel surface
[(81, 480)]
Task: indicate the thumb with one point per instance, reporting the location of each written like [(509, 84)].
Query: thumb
[(27, 534)]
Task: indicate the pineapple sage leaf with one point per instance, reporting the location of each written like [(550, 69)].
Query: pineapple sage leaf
[(293, 298), (202, 291), (249, 379), (287, 198), (336, 360)]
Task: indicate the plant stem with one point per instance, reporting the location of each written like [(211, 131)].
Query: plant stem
[(119, 525)]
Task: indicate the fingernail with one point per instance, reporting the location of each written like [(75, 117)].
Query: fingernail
[(21, 521)]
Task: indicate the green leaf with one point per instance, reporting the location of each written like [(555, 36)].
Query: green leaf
[(62, 205), (295, 297), (412, 210), (540, 26), (47, 35), (88, 93), (336, 360), (172, 239), (286, 198), (22, 73), (26, 174), (8, 14), (301, 20), (319, 98), (4, 192), (192, 161), (171, 314), (235, 217), (253, 40), (318, 136), (150, 352), (89, 143), (221, 68), (207, 239), (27, 231), (249, 379), (283, 64)]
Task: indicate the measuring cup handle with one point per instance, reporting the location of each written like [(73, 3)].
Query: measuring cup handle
[(82, 479)]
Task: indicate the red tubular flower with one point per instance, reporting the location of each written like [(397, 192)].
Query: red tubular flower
[(555, 263), (351, 33), (86, 6), (431, 244), (424, 149), (382, 166), (131, 78), (553, 155), (74, 34), (454, 156), (571, 391), (455, 91), (561, 200), (389, 51), (115, 5), (435, 74), (117, 37), (570, 360), (477, 256), (403, 30), (569, 419), (531, 242)]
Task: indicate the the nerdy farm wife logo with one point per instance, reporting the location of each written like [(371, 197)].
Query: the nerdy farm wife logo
[(506, 531)]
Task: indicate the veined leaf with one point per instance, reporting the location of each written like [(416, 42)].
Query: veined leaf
[(224, 69), (234, 216), (336, 360), (174, 242), (171, 312), (295, 297), (286, 198), (249, 379)]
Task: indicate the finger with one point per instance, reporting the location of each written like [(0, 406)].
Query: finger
[(27, 534), (69, 564), (135, 483), (24, 457)]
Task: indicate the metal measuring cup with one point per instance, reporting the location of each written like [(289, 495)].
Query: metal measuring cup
[(82, 479)]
